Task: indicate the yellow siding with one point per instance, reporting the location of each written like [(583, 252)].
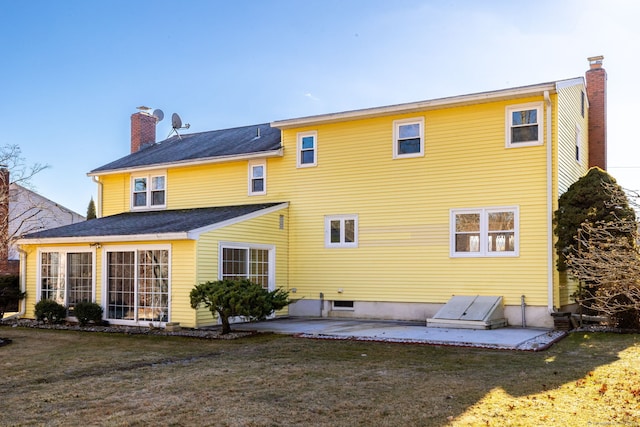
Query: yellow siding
[(403, 205), (31, 258), (115, 193), (183, 278), (403, 208), (569, 169), (262, 230)]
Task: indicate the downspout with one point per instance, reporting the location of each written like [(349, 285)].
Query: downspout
[(99, 208), (550, 263), (23, 286)]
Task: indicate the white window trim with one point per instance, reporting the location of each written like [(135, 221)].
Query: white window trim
[(104, 274), (396, 135), (148, 176), (64, 250), (338, 308), (341, 218), (247, 246), (253, 164), (484, 232), (508, 117), (299, 137)]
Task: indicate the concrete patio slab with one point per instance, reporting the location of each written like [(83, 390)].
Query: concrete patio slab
[(509, 338)]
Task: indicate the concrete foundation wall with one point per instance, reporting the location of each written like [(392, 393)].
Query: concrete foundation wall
[(535, 316)]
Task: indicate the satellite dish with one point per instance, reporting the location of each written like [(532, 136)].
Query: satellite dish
[(158, 114), (176, 121)]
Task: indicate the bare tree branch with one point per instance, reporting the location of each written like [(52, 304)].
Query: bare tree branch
[(606, 261)]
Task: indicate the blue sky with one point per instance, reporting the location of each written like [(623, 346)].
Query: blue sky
[(72, 72)]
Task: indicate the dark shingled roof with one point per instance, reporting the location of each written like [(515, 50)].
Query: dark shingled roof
[(150, 222), (188, 147)]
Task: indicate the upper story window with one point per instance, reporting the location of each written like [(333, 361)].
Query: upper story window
[(582, 103), (148, 191), (307, 149), (484, 232), (257, 178), (524, 125), (341, 231), (408, 138)]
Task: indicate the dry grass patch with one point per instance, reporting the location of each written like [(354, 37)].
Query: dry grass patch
[(62, 377)]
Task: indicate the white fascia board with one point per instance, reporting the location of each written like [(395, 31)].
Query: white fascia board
[(195, 234), (106, 239), (578, 81), (203, 161), (449, 102), (183, 235)]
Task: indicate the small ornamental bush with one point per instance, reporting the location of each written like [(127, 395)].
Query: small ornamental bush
[(50, 311), (241, 297), (87, 312)]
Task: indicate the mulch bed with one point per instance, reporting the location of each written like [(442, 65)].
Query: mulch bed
[(208, 333)]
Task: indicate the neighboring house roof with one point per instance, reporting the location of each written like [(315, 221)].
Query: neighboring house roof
[(226, 143), (152, 225), (30, 212)]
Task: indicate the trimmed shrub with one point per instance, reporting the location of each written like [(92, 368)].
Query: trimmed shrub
[(230, 298), (50, 311), (87, 312)]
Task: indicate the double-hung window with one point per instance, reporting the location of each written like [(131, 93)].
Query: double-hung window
[(255, 262), (148, 191), (257, 178), (307, 149), (408, 138), (341, 231), (66, 276), (524, 125), (484, 232)]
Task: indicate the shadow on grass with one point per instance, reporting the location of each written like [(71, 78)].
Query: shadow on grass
[(310, 382)]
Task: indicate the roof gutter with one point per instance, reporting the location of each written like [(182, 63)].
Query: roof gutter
[(202, 161), (454, 101), (183, 235)]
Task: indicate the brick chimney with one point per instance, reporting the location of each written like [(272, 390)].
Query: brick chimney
[(143, 129), (596, 78)]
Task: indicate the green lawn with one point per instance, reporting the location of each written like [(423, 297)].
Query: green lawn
[(78, 378)]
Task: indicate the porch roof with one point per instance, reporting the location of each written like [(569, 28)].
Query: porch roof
[(151, 225)]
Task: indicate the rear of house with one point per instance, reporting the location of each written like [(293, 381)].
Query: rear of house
[(382, 213)]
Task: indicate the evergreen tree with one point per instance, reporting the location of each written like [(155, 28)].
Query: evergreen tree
[(589, 197), (607, 265), (91, 210)]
